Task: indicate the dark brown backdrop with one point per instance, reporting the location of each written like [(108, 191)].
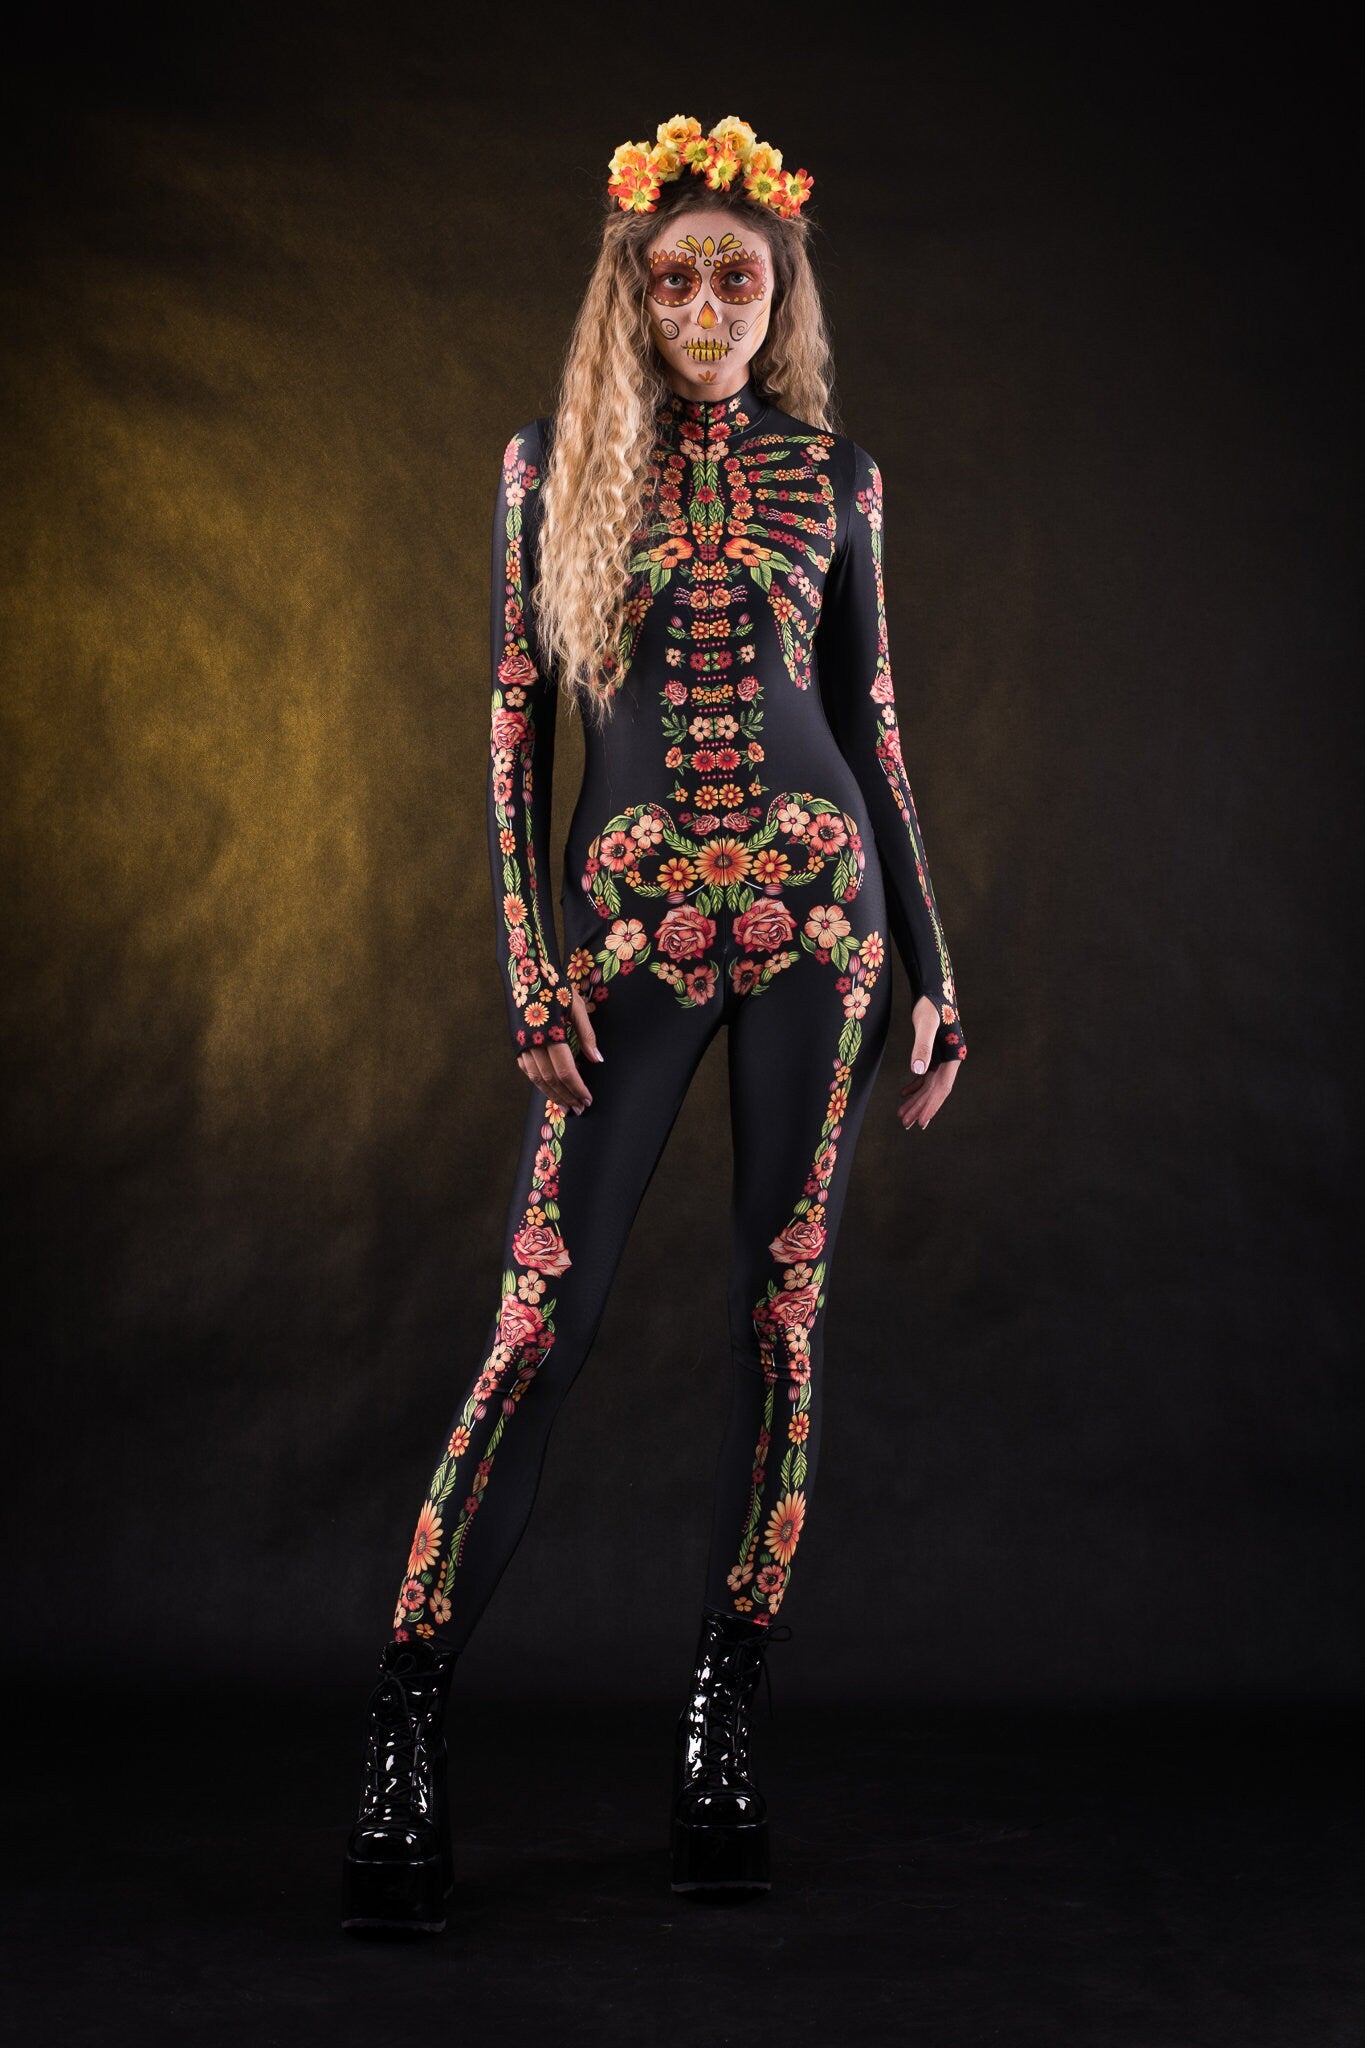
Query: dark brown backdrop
[(281, 284)]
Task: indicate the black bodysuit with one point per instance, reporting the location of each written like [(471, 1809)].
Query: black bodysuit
[(743, 842)]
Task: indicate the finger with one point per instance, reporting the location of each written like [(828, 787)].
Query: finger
[(925, 1034), (933, 1103), (542, 1074), (924, 1104), (587, 1037), (527, 1062), (568, 1079)]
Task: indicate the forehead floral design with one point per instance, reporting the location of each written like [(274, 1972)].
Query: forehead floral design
[(730, 152)]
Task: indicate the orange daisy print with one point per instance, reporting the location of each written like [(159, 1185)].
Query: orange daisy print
[(426, 1541), (784, 1526)]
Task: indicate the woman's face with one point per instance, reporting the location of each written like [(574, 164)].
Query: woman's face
[(710, 296)]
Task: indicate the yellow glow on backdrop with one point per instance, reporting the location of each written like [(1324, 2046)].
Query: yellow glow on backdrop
[(250, 699)]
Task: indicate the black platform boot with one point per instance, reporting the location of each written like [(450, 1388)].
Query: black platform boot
[(399, 1868), (720, 1818)]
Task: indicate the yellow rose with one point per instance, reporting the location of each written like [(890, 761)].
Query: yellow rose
[(739, 134), (664, 160), (629, 152), (763, 157), (682, 128)]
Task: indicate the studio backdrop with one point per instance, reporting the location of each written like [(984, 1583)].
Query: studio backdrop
[(279, 289)]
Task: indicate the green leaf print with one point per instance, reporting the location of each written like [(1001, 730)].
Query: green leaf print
[(772, 967)]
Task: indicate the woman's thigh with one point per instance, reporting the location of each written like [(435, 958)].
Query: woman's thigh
[(803, 1055), (580, 1179)]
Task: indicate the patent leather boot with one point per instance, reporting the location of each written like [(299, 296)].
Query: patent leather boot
[(399, 1869), (720, 1818)]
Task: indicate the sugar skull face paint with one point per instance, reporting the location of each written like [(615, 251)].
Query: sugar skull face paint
[(710, 299), (674, 278)]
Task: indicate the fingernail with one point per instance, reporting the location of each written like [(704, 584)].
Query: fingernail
[(918, 1066), (598, 1055)]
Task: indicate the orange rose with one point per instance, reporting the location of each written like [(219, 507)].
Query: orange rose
[(519, 1324), (540, 1246), (509, 728), (792, 1305), (516, 667), (685, 932), (765, 925), (803, 1238)]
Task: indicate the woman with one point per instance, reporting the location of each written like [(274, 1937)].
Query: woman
[(690, 553)]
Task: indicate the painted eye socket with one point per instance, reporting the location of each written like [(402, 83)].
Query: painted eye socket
[(737, 284), (673, 284)]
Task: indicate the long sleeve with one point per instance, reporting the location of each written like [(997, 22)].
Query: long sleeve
[(521, 761), (854, 663)]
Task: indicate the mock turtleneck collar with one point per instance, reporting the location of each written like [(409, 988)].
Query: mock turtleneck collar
[(707, 414)]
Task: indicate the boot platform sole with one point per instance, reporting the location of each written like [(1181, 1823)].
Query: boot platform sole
[(401, 1896), (720, 1858)]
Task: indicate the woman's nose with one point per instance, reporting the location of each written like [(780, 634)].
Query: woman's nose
[(707, 316)]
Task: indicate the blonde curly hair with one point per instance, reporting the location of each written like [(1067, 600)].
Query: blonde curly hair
[(595, 488)]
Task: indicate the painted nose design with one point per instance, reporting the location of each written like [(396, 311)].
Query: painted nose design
[(707, 317)]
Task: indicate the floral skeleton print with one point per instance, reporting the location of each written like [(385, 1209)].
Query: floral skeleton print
[(743, 844)]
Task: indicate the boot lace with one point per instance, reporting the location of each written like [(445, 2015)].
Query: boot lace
[(397, 1732), (726, 1698)]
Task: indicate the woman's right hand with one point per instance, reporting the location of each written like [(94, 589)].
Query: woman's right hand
[(552, 1068)]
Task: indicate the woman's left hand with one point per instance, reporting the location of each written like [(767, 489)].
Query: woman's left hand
[(923, 1096)]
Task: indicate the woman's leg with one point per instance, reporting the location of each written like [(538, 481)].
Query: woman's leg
[(803, 1055), (578, 1186)]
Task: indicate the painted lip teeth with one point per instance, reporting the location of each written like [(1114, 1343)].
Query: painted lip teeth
[(707, 351)]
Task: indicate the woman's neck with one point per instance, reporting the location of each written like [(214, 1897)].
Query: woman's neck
[(712, 407)]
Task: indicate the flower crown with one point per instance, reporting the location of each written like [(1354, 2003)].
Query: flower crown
[(639, 170)]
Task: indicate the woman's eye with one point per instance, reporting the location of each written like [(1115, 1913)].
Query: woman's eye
[(738, 277), (674, 286)]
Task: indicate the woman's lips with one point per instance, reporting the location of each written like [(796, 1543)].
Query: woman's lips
[(707, 351)]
